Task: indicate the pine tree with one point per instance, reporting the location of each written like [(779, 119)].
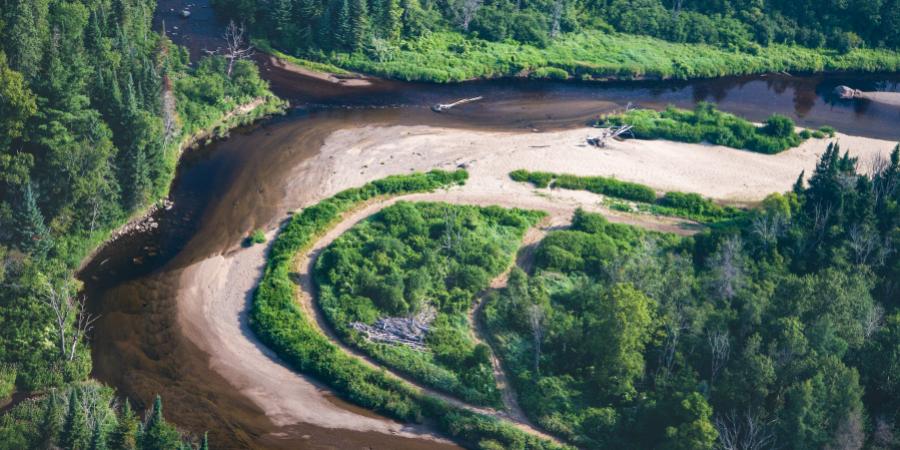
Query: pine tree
[(98, 437), (343, 30), (204, 445), (124, 435), (33, 233), (281, 18), (75, 434), (159, 435), (51, 423), (359, 24), (798, 185)]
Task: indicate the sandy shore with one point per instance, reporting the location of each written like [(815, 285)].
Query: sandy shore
[(719, 172), (214, 293)]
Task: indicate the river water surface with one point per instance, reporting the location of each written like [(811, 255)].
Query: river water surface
[(229, 187)]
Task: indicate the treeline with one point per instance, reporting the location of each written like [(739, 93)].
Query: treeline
[(780, 331), (94, 107), (88, 416), (385, 29)]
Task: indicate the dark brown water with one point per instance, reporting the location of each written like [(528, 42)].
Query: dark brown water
[(229, 187)]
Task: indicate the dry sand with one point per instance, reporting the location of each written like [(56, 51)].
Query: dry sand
[(215, 292)]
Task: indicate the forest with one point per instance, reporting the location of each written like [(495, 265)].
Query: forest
[(427, 261), (453, 40), (94, 109), (777, 331)]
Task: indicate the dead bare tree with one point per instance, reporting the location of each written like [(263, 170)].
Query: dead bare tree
[(873, 321), (727, 266), (557, 18), (768, 228), (676, 8), (536, 316), (862, 243), (720, 351), (883, 436), (452, 233), (849, 434), (745, 431), (236, 46), (469, 8), (68, 311), (884, 181)]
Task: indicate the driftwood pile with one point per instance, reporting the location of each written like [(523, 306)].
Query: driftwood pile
[(606, 134), (409, 331)]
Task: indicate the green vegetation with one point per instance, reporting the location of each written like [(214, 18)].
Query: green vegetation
[(457, 40), (707, 124), (84, 416), (425, 260), (257, 237), (281, 324), (677, 204), (94, 111), (786, 322)]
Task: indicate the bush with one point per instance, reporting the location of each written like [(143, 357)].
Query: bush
[(7, 380), (706, 123), (598, 185), (258, 236), (679, 204)]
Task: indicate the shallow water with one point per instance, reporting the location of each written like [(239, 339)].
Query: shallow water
[(226, 188)]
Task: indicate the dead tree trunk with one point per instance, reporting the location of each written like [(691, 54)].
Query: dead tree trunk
[(235, 45)]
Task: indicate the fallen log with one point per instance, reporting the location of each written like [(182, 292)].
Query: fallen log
[(441, 107), (608, 133)]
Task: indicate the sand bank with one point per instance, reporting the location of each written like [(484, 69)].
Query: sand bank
[(215, 292)]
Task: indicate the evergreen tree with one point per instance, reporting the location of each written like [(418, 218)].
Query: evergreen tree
[(158, 434), (359, 24), (33, 233), (204, 444), (98, 437), (51, 423), (343, 29), (75, 434), (124, 435)]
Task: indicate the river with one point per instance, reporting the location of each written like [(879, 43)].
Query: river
[(231, 186)]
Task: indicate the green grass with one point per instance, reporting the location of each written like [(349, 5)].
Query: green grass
[(280, 323), (315, 66), (449, 57)]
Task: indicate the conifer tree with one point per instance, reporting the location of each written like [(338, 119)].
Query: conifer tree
[(75, 434), (51, 423), (124, 435), (98, 437), (33, 233), (343, 30), (359, 23), (158, 434), (204, 444)]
